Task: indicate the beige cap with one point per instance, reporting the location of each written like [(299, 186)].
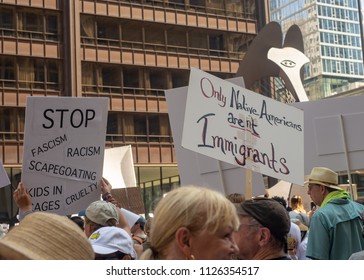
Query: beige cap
[(101, 211)]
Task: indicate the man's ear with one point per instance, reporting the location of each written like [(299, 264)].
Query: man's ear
[(265, 235), (183, 240)]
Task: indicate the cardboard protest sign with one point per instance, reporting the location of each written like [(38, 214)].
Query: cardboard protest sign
[(197, 169), (241, 127), (334, 133), (63, 152), (4, 179), (119, 167)]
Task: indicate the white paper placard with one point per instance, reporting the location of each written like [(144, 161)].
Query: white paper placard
[(241, 127), (63, 152), (119, 167)]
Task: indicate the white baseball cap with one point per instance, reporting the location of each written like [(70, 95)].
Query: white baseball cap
[(107, 240)]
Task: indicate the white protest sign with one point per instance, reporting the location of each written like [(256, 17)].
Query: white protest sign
[(63, 152), (241, 127), (119, 167), (4, 179)]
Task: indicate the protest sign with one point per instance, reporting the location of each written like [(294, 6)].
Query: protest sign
[(334, 133), (4, 179), (63, 152), (119, 167), (241, 127), (197, 169)]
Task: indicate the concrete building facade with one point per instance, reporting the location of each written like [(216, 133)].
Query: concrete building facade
[(129, 51)]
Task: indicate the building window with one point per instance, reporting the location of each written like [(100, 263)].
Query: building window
[(7, 25), (7, 72)]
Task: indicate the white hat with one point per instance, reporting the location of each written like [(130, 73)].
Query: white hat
[(107, 240)]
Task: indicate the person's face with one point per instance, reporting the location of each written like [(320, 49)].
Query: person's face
[(87, 229), (134, 228), (317, 193), (214, 246), (247, 238)]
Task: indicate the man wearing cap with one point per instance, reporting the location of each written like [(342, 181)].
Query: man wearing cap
[(112, 243), (335, 228), (264, 225)]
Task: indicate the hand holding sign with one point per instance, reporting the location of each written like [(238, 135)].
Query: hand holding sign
[(22, 198)]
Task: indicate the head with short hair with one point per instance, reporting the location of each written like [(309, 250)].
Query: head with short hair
[(281, 200), (99, 214), (256, 217), (236, 197), (141, 222), (191, 207), (46, 236)]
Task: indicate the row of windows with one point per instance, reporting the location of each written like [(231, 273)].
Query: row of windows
[(346, 53), (340, 26), (41, 25), (340, 39), (24, 72), (103, 31), (244, 8), (279, 11), (138, 127), (342, 67), (32, 73), (342, 3), (130, 80), (277, 4), (338, 13)]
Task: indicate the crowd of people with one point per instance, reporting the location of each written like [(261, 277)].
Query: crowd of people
[(193, 222)]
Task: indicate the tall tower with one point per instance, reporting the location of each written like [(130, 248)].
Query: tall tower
[(332, 35)]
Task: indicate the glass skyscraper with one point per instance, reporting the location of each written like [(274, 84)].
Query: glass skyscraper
[(332, 41)]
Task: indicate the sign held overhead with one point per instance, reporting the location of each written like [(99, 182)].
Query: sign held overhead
[(241, 127)]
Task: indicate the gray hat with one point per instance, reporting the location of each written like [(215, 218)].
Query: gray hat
[(101, 211)]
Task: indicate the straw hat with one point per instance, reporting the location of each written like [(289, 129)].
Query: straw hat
[(46, 236), (323, 176)]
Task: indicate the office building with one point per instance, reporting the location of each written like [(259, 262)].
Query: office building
[(332, 41), (129, 51)]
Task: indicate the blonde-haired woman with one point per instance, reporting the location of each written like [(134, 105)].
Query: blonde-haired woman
[(298, 211), (193, 223)]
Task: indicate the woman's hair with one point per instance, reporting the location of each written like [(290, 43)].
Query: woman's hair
[(296, 203), (195, 208)]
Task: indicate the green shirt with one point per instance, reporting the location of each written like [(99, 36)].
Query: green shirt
[(336, 231)]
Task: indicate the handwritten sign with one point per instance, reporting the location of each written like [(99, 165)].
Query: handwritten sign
[(241, 127), (63, 152)]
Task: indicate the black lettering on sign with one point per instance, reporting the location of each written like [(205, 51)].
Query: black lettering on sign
[(76, 118)]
